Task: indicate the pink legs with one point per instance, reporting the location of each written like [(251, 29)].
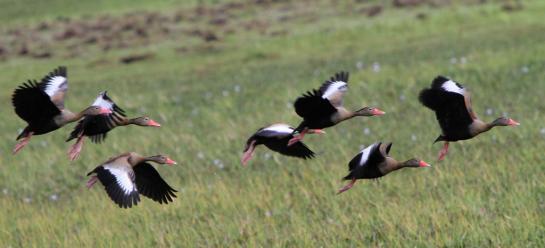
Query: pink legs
[(348, 186), (297, 137), (74, 151), (248, 154), (443, 151), (92, 181), (22, 143), (300, 136)]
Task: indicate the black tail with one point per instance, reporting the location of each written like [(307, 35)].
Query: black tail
[(78, 129), (348, 177), (95, 170), (440, 138), (248, 142), (23, 134), (71, 137), (300, 128)]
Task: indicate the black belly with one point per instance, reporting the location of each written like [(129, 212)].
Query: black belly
[(369, 172), (279, 145), (319, 124), (455, 135), (366, 172), (43, 128)]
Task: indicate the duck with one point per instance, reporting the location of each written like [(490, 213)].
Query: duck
[(324, 108), (374, 162), (41, 105), (276, 137), (130, 174), (451, 102), (96, 127)]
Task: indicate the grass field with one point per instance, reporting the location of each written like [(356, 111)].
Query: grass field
[(211, 95)]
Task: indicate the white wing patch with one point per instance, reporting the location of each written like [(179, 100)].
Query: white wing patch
[(334, 87), (55, 84), (280, 128), (122, 178), (101, 102), (365, 154), (453, 87)]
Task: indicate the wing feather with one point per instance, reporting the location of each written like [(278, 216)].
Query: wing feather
[(33, 105), (335, 88), (119, 185), (151, 185), (55, 85), (311, 106), (450, 107)]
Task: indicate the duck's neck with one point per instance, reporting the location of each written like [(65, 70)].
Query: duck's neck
[(124, 121), (392, 164), (403, 164), (479, 126), (344, 114), (67, 117), (151, 159), (136, 158)]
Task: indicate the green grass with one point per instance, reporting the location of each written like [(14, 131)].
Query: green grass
[(489, 192)]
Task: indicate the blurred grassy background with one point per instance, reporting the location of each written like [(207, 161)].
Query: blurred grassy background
[(212, 72)]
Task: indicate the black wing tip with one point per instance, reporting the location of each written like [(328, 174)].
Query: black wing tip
[(339, 76), (29, 84), (307, 155), (59, 71), (388, 147), (127, 201), (298, 150), (116, 108), (99, 138), (438, 81), (104, 95), (309, 94), (342, 76)]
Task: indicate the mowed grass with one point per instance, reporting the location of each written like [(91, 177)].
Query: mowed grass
[(489, 192)]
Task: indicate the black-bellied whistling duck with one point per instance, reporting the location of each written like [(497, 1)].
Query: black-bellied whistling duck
[(41, 105), (452, 105), (276, 137), (127, 175), (374, 162), (97, 126), (324, 107)]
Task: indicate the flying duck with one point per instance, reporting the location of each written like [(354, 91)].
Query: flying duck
[(276, 137), (324, 107), (41, 105), (97, 126), (373, 162), (452, 105), (128, 175)]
